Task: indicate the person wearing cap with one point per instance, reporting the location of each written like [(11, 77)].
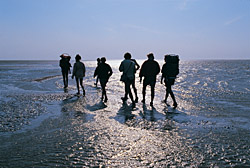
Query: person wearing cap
[(79, 73), (149, 70), (103, 71), (65, 68)]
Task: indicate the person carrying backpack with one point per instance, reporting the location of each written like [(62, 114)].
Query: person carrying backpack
[(65, 68), (169, 72), (127, 67)]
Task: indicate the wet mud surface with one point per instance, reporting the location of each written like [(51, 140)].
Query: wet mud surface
[(43, 125)]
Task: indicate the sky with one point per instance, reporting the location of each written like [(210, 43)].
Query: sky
[(193, 29)]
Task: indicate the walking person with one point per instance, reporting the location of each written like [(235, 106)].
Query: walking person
[(137, 66), (97, 77), (169, 72), (149, 70), (103, 71), (79, 73), (127, 66), (65, 68)]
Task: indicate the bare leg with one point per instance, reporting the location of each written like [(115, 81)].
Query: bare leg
[(143, 93), (169, 91), (83, 90), (66, 79), (126, 94), (128, 91), (152, 94), (96, 81), (104, 93), (77, 85), (135, 90)]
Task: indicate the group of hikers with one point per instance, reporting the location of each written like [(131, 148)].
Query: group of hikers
[(148, 71)]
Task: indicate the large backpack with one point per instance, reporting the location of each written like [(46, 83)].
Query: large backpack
[(172, 65)]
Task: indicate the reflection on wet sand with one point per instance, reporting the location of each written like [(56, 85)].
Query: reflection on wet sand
[(77, 131)]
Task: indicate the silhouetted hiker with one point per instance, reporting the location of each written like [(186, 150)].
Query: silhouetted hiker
[(127, 66), (103, 71), (65, 68), (137, 66), (149, 70), (97, 78), (79, 73), (169, 72)]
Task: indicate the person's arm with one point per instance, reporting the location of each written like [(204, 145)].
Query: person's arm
[(74, 71), (121, 67), (137, 66), (60, 63), (96, 71), (84, 69), (158, 68), (110, 71), (141, 72), (162, 73)]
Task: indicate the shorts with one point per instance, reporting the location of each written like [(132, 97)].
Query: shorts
[(169, 81), (103, 81), (149, 81)]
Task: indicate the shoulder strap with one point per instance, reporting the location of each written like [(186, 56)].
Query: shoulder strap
[(128, 67)]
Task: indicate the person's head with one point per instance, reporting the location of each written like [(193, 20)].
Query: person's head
[(98, 60), (103, 59), (127, 55), (150, 56), (78, 57), (62, 56)]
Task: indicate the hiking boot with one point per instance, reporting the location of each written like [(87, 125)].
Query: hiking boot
[(124, 99), (175, 105), (151, 104), (133, 105), (136, 100)]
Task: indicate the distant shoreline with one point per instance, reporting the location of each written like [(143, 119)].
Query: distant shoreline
[(135, 58)]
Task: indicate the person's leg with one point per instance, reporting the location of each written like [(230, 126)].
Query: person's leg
[(105, 93), (64, 79), (172, 96), (96, 81), (152, 85), (144, 91), (135, 91), (103, 85), (125, 95), (167, 93), (128, 91), (83, 90), (77, 85)]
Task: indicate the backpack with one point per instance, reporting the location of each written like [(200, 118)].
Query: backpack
[(172, 65)]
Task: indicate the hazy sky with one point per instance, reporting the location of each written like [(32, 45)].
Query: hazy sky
[(194, 29)]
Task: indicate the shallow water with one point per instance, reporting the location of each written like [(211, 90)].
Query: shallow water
[(43, 125)]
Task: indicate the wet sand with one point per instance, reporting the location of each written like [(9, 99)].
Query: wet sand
[(59, 129), (71, 131)]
